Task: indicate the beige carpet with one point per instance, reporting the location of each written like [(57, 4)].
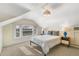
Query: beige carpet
[(24, 49), (30, 51)]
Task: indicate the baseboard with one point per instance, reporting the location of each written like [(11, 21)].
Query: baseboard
[(74, 45)]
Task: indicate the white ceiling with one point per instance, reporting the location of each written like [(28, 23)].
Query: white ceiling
[(65, 13)]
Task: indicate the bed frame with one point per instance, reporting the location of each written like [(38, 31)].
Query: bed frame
[(38, 45)]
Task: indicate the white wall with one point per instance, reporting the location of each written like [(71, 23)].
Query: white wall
[(1, 41), (8, 31)]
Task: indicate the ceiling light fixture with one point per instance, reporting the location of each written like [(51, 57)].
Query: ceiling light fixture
[(47, 10)]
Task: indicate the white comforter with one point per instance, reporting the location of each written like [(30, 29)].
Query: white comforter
[(46, 41)]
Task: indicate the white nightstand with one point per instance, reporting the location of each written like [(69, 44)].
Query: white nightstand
[(65, 41)]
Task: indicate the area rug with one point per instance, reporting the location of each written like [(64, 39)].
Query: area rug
[(31, 50)]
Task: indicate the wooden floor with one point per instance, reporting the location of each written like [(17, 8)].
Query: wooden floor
[(24, 49)]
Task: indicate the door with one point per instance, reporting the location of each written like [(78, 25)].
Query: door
[(76, 37)]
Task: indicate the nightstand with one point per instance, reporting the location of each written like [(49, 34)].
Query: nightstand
[(65, 41)]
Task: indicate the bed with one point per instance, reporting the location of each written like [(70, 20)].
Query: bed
[(45, 42)]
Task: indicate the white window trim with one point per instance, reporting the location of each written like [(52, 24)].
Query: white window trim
[(21, 34)]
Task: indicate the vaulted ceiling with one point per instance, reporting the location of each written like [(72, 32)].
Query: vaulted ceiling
[(62, 13), (65, 13)]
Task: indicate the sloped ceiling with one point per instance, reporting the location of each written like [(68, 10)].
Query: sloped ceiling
[(66, 13), (62, 13), (10, 10)]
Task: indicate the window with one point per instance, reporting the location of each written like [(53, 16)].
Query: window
[(17, 31), (27, 30), (23, 30)]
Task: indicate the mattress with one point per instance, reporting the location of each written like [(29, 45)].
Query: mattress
[(46, 41)]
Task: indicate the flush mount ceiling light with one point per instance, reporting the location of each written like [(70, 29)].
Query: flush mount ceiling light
[(47, 10)]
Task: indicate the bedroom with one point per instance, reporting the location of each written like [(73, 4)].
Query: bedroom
[(53, 27)]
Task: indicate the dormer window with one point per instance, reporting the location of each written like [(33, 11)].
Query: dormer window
[(23, 31)]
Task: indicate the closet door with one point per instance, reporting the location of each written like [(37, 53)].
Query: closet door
[(76, 37)]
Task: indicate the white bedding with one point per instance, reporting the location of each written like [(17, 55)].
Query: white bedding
[(46, 41)]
